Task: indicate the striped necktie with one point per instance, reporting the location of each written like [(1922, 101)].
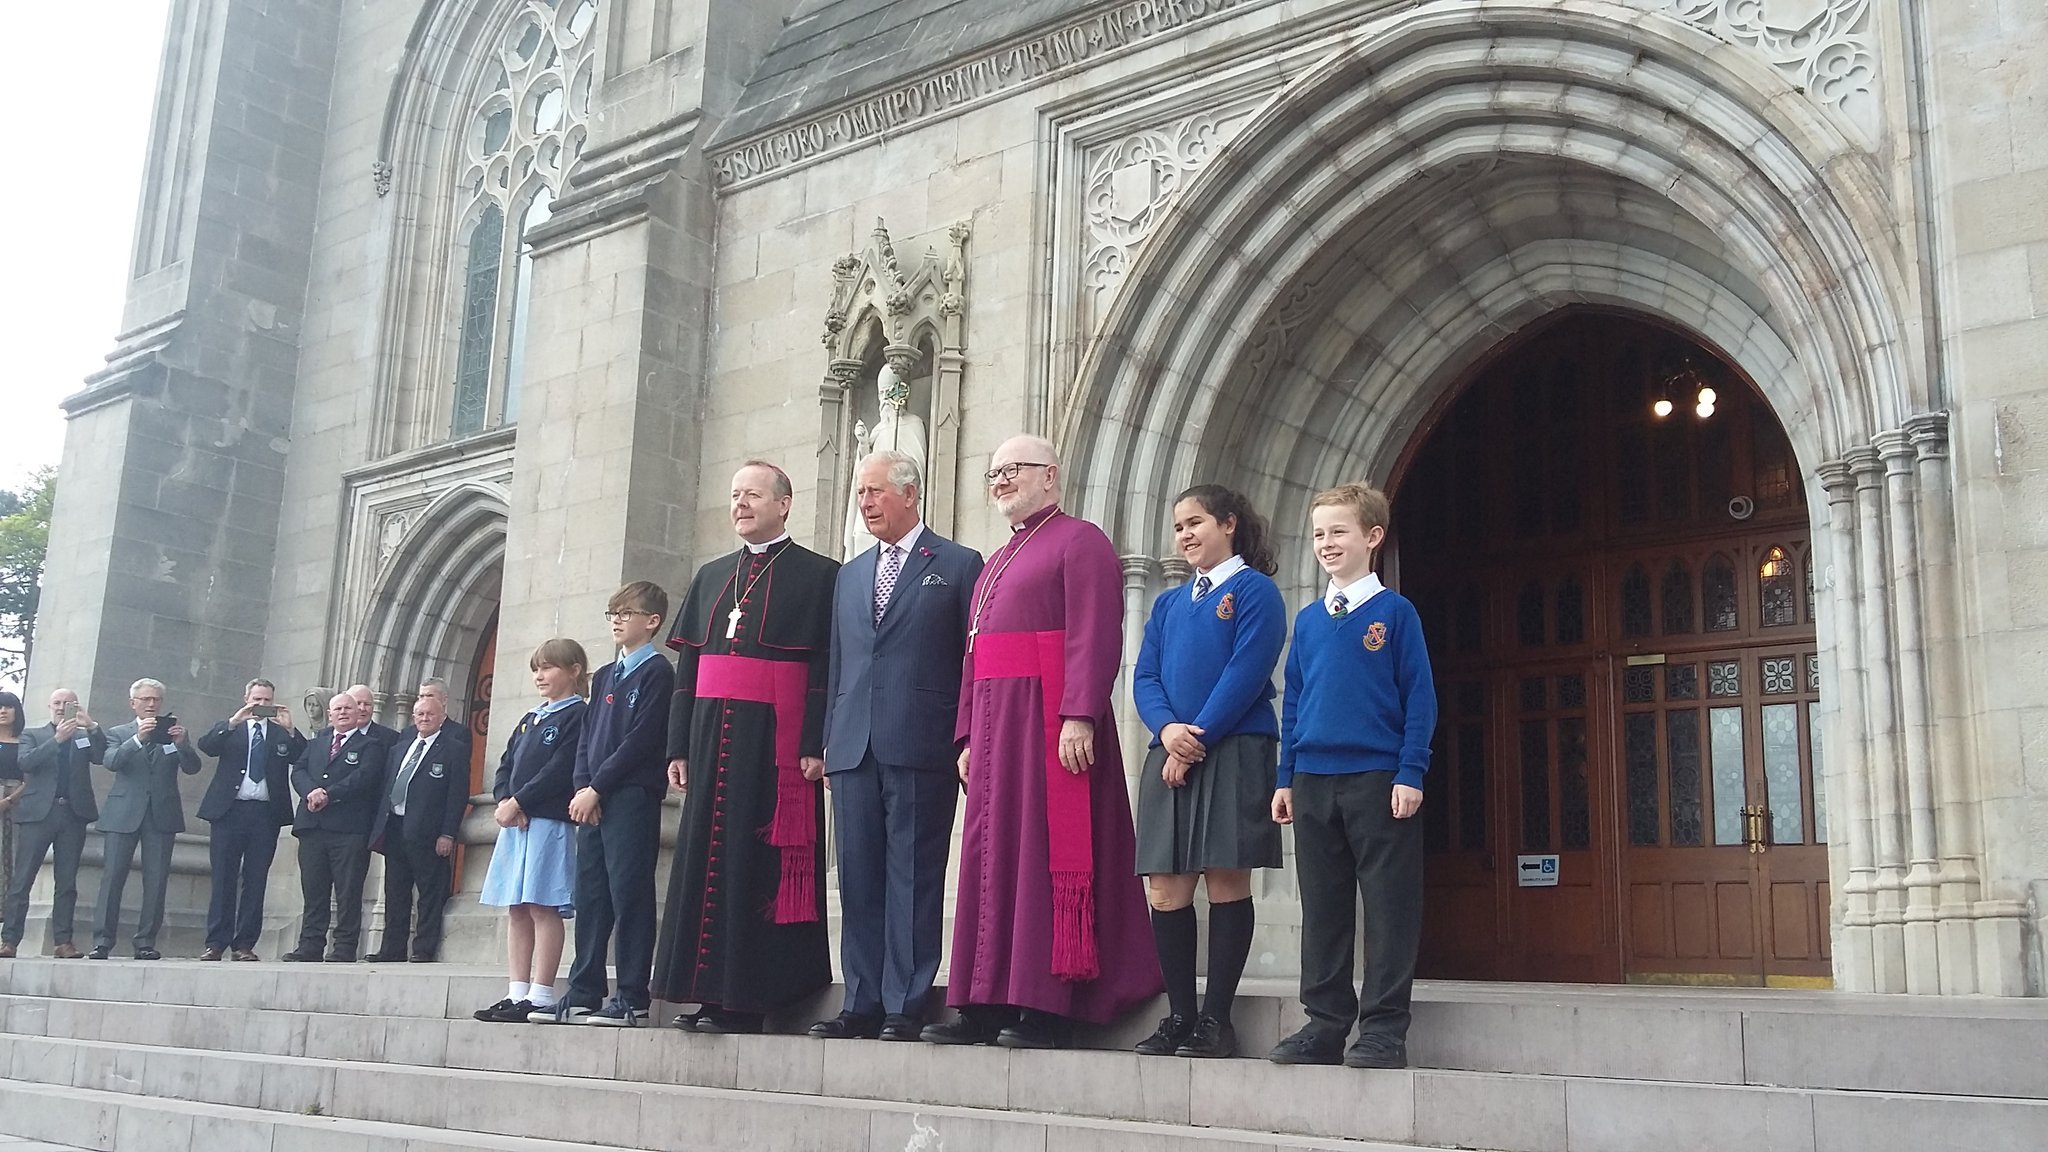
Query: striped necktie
[(1339, 606), (1202, 587)]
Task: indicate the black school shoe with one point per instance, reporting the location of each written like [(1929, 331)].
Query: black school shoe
[(961, 1030), (1308, 1047), (848, 1026), (1211, 1039), (901, 1028), (507, 1011), (1035, 1029), (719, 1022), (1171, 1034), (1372, 1050)]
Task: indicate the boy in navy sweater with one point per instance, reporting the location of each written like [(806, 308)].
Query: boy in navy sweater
[(621, 778), (1355, 727)]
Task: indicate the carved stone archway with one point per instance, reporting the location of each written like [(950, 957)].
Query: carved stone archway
[(436, 600)]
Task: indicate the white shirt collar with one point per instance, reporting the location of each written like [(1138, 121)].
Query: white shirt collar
[(757, 549), (345, 735), (1219, 573), (1355, 593), (908, 542), (424, 738)]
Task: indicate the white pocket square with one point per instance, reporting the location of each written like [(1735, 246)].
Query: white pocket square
[(931, 578)]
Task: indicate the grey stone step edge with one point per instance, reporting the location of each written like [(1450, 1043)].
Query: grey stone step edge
[(662, 1087)]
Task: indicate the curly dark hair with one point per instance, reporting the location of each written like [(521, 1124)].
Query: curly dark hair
[(1250, 539)]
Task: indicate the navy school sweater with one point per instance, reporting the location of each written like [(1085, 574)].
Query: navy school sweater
[(1210, 663), (539, 765), (1359, 693), (625, 729)]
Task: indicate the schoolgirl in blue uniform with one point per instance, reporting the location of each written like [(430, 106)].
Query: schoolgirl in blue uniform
[(533, 868), (1204, 687)]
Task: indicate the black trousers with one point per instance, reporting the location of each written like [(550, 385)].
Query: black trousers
[(1347, 846), (242, 845), (411, 866), (331, 866), (156, 878), (615, 897), (64, 832), (894, 828)]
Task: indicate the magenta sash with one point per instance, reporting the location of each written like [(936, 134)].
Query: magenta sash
[(1069, 823), (784, 684)]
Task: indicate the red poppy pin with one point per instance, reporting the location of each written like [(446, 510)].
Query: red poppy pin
[(923, 551), (1226, 607), (607, 697), (1375, 636)]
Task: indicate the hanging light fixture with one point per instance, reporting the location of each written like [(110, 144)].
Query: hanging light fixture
[(1686, 380)]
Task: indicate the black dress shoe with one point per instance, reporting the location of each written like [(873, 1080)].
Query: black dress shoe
[(148, 954), (900, 1028), (960, 1030), (1037, 1029), (339, 957), (718, 1022), (1372, 1050), (848, 1026), (385, 956), (1170, 1035), (1212, 1039), (688, 1021), (1308, 1047), (424, 958), (100, 952), (302, 956)]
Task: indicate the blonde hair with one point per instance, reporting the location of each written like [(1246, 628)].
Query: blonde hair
[(562, 652), (1368, 503)]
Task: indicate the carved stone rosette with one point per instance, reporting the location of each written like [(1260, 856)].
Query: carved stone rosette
[(872, 287)]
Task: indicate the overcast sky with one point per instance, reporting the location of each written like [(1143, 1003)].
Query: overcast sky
[(82, 105)]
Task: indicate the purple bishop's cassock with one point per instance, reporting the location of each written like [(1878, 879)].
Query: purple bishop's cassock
[(1050, 914)]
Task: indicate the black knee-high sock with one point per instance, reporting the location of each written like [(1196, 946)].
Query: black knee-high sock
[(1173, 933), (1230, 944)]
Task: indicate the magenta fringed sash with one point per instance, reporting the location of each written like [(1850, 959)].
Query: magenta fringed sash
[(783, 684), (1069, 823)]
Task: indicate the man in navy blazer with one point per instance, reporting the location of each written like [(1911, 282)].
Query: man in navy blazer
[(339, 777), (899, 638), (425, 794), (248, 800)]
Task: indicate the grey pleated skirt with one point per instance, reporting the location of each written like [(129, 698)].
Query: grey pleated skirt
[(1221, 818)]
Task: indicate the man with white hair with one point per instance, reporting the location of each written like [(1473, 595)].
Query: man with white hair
[(143, 810), (339, 777), (1051, 925), (366, 715)]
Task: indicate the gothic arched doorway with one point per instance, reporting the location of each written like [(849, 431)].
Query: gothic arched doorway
[(1617, 583)]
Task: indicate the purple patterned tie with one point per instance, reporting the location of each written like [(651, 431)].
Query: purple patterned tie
[(892, 567)]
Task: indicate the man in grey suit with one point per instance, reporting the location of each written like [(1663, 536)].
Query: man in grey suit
[(51, 813), (899, 637), (143, 809)]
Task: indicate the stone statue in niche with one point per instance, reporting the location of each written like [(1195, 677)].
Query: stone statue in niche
[(897, 429)]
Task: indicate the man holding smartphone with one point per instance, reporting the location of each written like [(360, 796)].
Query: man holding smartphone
[(143, 810), (248, 801), (50, 816)]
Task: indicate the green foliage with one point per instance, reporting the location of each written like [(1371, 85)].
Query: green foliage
[(24, 542)]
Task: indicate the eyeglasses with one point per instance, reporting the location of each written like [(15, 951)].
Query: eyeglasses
[(615, 617), (1009, 471)]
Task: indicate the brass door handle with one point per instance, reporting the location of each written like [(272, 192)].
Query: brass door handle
[(1756, 827)]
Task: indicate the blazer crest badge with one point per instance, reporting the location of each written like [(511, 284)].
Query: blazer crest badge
[(1226, 607), (1375, 636)]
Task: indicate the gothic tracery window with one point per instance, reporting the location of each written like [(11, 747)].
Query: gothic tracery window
[(525, 130)]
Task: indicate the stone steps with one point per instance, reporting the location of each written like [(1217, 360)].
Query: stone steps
[(1598, 1069)]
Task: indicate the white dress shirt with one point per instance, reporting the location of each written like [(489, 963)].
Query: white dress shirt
[(1218, 574), (908, 543), (1355, 593), (259, 745), (419, 747)]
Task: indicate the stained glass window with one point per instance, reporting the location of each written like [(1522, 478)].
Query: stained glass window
[(1535, 694), (1676, 595), (1780, 675), (1777, 585), (1820, 779), (1639, 752), (1807, 568), (1682, 682), (1574, 808), (1775, 485), (1529, 615), (1717, 589), (1571, 692), (1639, 685), (1635, 602), (1535, 786), (479, 322), (1682, 752), (1813, 672), (1781, 774), (1725, 736), (1571, 611), (1724, 678)]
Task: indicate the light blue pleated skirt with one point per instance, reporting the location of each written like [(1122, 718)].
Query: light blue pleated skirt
[(533, 865)]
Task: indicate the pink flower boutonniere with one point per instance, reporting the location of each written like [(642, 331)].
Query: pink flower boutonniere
[(923, 551)]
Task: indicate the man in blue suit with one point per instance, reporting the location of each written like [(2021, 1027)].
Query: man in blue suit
[(899, 637)]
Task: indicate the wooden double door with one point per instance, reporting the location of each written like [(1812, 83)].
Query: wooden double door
[(1626, 782)]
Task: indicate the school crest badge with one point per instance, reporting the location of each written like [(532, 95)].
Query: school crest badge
[(284, 750), (435, 771), (352, 758), (632, 697), (1226, 607), (1375, 636), (549, 733)]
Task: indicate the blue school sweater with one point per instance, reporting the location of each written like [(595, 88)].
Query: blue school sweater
[(625, 729), (1359, 693), (539, 765), (1209, 663)]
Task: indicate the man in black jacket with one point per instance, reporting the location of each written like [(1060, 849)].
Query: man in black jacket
[(424, 796), (51, 812), (366, 717), (248, 800), (337, 779)]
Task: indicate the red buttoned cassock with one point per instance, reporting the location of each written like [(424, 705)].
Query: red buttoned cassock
[(745, 923)]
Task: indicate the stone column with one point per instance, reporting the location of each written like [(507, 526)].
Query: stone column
[(1138, 573), (835, 431), (1923, 968), (1888, 928), (1848, 760)]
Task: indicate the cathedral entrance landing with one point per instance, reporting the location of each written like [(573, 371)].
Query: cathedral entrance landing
[(1607, 537)]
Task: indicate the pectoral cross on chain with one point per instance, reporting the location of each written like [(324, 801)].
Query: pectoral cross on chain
[(732, 623)]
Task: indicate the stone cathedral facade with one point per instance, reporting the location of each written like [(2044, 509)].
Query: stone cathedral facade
[(1699, 342)]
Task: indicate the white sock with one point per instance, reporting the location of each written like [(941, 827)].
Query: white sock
[(542, 995), (519, 991)]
